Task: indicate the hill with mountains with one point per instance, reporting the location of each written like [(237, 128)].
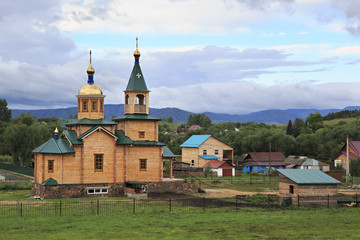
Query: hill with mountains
[(271, 116)]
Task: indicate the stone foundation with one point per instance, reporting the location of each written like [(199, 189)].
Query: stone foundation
[(76, 190), (173, 187)]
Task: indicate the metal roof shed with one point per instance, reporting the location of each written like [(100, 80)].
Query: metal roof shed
[(307, 187)]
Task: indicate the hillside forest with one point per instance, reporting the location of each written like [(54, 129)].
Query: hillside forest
[(313, 137)]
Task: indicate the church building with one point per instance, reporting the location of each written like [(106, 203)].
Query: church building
[(94, 156)]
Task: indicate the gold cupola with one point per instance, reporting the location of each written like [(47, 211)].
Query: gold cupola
[(90, 97)]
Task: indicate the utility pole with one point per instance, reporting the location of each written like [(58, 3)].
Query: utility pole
[(269, 159), (347, 159)]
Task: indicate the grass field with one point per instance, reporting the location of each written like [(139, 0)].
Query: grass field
[(323, 223)]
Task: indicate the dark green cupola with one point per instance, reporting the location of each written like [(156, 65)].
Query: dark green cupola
[(136, 81), (136, 93)]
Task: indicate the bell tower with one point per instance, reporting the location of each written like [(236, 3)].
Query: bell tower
[(136, 93), (90, 98)]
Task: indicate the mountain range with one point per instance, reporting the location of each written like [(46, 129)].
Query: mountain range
[(271, 116)]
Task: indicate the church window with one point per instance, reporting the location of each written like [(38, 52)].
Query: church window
[(142, 164), (103, 190), (84, 106), (50, 166), (94, 106), (204, 152), (141, 134), (140, 99), (127, 99), (101, 106), (98, 162)]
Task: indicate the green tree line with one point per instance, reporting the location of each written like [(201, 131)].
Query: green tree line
[(20, 135), (308, 138)]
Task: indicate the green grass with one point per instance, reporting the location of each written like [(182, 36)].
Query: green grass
[(15, 195), (337, 223), (240, 186)]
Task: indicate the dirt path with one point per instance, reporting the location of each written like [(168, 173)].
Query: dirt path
[(220, 193)]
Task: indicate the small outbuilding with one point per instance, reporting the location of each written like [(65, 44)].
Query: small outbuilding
[(222, 168), (307, 187)]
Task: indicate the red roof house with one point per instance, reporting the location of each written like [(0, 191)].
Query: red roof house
[(354, 152), (255, 161), (222, 168)]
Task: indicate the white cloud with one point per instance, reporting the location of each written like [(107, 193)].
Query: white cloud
[(245, 97), (342, 51)]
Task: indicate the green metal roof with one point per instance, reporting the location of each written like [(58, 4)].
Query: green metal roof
[(50, 182), (137, 117), (136, 81), (86, 121), (122, 139), (308, 176), (56, 146), (72, 136), (94, 129), (148, 143), (167, 153)]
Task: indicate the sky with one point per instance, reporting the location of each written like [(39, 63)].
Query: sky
[(222, 56)]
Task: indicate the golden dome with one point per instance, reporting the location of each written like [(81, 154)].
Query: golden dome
[(137, 53), (90, 89), (90, 71)]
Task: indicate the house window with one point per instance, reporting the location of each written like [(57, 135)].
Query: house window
[(141, 134), (84, 106), (338, 163), (216, 152), (98, 162), (142, 164), (291, 189), (50, 166), (204, 152), (97, 190), (192, 162), (94, 106)]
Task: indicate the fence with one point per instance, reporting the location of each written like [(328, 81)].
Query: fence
[(133, 206)]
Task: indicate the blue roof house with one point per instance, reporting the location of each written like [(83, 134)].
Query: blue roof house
[(198, 150)]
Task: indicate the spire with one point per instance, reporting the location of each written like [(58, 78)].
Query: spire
[(90, 72), (137, 81), (137, 53), (56, 133)]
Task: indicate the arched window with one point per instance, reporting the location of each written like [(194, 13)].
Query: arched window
[(127, 99), (140, 99)]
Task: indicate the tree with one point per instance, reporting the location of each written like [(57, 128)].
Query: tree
[(315, 121), (355, 167), (5, 113), (289, 128), (199, 119), (297, 127)]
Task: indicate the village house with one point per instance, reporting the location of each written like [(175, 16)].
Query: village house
[(260, 161), (307, 187), (198, 150), (94, 156), (221, 168), (354, 152), (303, 162)]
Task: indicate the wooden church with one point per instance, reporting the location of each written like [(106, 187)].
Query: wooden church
[(95, 156)]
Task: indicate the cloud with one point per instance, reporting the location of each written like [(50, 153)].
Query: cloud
[(342, 51), (28, 36), (209, 17), (245, 97)]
